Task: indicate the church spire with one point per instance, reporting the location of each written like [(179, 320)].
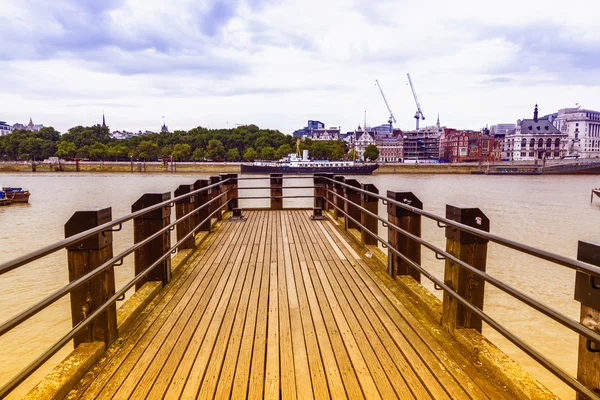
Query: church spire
[(438, 121), (103, 120)]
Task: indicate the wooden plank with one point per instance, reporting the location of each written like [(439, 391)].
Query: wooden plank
[(449, 373), (166, 300), (302, 371), (323, 361), (257, 370), (272, 372), (236, 386), (158, 375), (126, 378)]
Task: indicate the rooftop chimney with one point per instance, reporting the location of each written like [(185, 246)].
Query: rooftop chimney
[(535, 114)]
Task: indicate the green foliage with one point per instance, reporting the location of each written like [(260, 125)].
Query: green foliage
[(283, 150), (147, 150), (66, 149), (371, 153), (250, 154), (83, 152), (267, 153), (215, 150), (182, 152), (352, 155), (331, 150), (233, 154), (198, 154), (117, 150), (97, 151)]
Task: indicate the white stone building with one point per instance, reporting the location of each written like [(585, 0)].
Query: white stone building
[(583, 129), (362, 140), (5, 129), (534, 139), (332, 133)]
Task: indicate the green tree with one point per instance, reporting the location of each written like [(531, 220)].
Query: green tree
[(182, 151), (215, 150), (352, 155), (117, 150), (97, 151), (83, 152), (250, 154), (233, 154), (267, 153), (318, 150), (48, 133), (337, 150), (198, 154), (147, 150), (66, 149), (283, 150), (31, 148), (371, 153)]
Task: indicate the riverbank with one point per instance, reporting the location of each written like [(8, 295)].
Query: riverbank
[(205, 167)]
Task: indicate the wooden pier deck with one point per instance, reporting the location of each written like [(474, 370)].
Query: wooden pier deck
[(280, 306)]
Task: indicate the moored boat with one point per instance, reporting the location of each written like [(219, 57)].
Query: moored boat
[(595, 192), (16, 195), (293, 164)]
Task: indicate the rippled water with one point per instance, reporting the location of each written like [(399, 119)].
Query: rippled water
[(549, 212)]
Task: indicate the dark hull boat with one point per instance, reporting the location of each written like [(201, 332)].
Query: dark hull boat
[(16, 195), (366, 169)]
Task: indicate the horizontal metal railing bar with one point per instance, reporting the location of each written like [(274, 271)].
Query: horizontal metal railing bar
[(533, 353), (258, 178), (274, 197), (35, 364), (44, 251), (535, 304), (53, 297), (279, 187), (543, 254)]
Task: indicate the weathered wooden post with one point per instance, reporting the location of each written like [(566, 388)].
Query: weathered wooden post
[(83, 257), (225, 186), (587, 292), (369, 222), (353, 197), (200, 200), (319, 191), (327, 187), (214, 192), (338, 201), (276, 192), (472, 250), (145, 226), (183, 207), (233, 191), (410, 222)]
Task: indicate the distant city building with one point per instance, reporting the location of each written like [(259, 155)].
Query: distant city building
[(18, 126), (383, 129), (388, 144), (534, 139), (422, 144), (164, 128), (128, 135), (583, 129), (362, 139), (501, 129), (332, 133), (33, 127), (468, 145), (103, 121), (307, 130), (5, 128)]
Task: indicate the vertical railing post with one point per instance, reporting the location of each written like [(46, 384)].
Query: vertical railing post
[(216, 205), (587, 292), (233, 191), (338, 201), (83, 257), (369, 222), (201, 199), (183, 207), (276, 192), (225, 188), (327, 186), (353, 197), (319, 191), (143, 227), (472, 250), (410, 222)]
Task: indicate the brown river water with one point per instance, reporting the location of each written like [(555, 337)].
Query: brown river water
[(548, 212)]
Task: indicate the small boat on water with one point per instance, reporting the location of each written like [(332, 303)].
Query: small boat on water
[(16, 195), (294, 164), (595, 192)]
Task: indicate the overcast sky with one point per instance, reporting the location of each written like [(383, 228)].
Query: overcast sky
[(279, 63)]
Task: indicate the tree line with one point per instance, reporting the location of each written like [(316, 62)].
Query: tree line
[(246, 143)]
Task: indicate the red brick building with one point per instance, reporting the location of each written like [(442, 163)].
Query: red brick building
[(466, 145)]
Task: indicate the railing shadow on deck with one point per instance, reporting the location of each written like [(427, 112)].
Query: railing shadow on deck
[(93, 294)]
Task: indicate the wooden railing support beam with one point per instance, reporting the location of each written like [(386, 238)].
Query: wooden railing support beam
[(214, 192), (145, 226), (319, 191), (369, 222), (199, 200), (83, 257), (473, 251), (587, 292), (354, 198), (276, 190), (410, 222), (183, 207)]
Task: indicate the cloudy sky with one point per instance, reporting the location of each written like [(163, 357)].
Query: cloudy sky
[(278, 63)]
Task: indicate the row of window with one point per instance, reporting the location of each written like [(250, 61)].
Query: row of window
[(532, 154)]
